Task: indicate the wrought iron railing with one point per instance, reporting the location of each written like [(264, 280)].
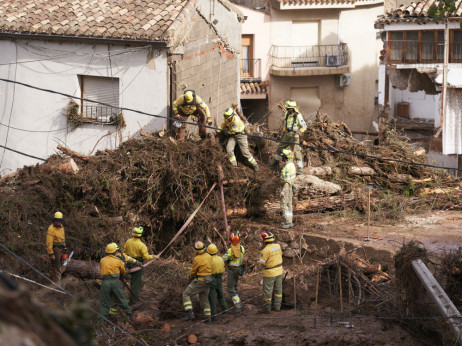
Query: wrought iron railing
[(332, 55), (251, 68), (101, 114)]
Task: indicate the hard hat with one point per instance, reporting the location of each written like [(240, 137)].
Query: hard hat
[(288, 154), (137, 232), (58, 216), (199, 246), (189, 96), (267, 236), (229, 112), (290, 104), (234, 237), (111, 248), (212, 249)]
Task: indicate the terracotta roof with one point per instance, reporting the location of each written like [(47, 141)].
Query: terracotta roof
[(328, 2), (254, 87), (414, 13), (116, 19)]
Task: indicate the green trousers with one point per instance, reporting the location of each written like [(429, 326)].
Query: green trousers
[(216, 292), (272, 286), (293, 138), (232, 281), (286, 205), (243, 144), (200, 288), (112, 288), (135, 282)]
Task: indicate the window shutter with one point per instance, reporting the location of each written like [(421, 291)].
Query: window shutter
[(101, 89)]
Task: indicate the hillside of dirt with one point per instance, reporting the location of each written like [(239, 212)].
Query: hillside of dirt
[(336, 289)]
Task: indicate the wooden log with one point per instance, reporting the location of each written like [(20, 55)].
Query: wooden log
[(319, 171), (72, 153), (353, 170), (83, 269), (420, 152), (68, 167)]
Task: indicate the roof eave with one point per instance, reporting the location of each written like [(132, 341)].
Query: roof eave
[(86, 39)]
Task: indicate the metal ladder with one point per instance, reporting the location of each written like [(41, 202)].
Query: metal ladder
[(441, 299)]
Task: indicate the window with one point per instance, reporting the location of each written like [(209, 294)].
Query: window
[(455, 42), (396, 45), (247, 56), (422, 46), (412, 45), (101, 89)]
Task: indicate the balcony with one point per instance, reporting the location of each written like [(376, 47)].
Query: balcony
[(309, 60), (250, 69)]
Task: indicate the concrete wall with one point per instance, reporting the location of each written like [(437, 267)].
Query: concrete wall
[(258, 24), (353, 104), (36, 119), (208, 65)]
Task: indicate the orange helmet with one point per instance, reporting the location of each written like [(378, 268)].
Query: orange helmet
[(234, 237), (267, 236)]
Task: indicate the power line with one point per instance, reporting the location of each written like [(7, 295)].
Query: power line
[(33, 131), (21, 153), (246, 134)]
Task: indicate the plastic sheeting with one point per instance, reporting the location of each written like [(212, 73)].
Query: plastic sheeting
[(452, 124)]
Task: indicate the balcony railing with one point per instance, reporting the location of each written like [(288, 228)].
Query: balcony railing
[(309, 56), (100, 114), (251, 68)]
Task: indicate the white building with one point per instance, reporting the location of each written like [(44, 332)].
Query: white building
[(139, 57), (411, 75)]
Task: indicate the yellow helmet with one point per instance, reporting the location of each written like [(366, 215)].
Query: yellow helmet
[(290, 104), (189, 96), (199, 247), (286, 153), (111, 248), (137, 232), (58, 216), (229, 112), (212, 249)]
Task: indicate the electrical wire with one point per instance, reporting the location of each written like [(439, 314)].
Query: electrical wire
[(33, 131), (68, 293), (332, 149)]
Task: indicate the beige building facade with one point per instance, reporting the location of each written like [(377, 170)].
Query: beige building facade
[(325, 56)]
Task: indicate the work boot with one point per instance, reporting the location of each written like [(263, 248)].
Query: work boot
[(300, 171), (207, 321), (240, 308), (214, 318), (263, 311), (287, 225), (256, 168), (189, 316)]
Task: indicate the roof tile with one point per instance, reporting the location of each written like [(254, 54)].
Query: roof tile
[(111, 18)]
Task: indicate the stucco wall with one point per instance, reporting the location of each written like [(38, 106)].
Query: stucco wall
[(258, 24), (353, 104), (56, 66), (207, 65)]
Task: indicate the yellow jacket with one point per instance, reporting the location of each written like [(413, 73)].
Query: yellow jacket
[(234, 124), (126, 259), (190, 109), (55, 237), (135, 248), (294, 122), (271, 260), (233, 261), (288, 173), (111, 265), (218, 265), (202, 266)]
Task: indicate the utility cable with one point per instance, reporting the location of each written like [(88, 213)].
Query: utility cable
[(332, 149), (69, 294)]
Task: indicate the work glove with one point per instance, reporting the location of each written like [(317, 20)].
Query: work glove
[(65, 250), (52, 257)]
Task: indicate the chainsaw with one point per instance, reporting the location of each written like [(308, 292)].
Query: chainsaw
[(66, 258)]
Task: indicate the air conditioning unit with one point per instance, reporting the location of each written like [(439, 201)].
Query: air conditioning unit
[(333, 60), (342, 80)]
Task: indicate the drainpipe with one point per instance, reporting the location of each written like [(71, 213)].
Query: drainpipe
[(445, 77)]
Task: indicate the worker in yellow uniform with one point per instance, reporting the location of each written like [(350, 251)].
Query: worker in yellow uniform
[(201, 278), (191, 104), (288, 175), (234, 257), (271, 261), (235, 133), (216, 287), (112, 268), (294, 124), (136, 249), (56, 246)]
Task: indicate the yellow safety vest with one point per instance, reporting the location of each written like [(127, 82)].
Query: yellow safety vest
[(288, 173), (294, 122)]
